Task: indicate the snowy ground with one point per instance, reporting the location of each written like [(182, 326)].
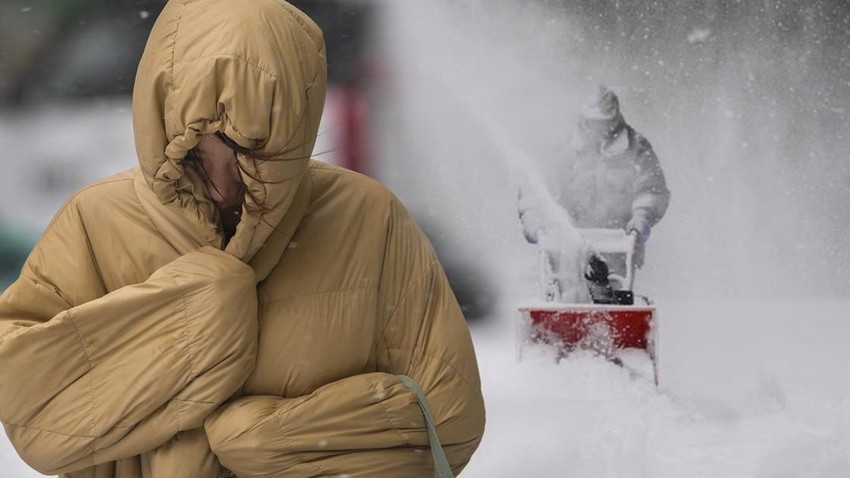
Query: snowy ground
[(748, 390)]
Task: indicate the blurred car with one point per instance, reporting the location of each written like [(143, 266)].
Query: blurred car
[(65, 80), (65, 117)]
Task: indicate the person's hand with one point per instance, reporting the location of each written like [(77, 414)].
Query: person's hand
[(641, 224), (596, 270)]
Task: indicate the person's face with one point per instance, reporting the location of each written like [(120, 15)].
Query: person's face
[(599, 129), (224, 183)]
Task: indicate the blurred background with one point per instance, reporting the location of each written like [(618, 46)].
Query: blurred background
[(452, 103)]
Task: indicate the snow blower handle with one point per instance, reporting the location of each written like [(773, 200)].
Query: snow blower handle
[(630, 259), (618, 242)]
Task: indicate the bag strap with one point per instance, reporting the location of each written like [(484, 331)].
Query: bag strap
[(441, 464)]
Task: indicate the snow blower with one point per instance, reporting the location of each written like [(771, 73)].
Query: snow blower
[(611, 323)]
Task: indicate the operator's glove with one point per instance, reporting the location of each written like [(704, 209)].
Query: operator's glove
[(596, 274), (596, 270), (641, 224)]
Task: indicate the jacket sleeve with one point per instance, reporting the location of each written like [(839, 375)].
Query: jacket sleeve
[(118, 375), (427, 339), (651, 194), (371, 424)]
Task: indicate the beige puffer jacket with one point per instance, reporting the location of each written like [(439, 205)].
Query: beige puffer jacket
[(133, 346)]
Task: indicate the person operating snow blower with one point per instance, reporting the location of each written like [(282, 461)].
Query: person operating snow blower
[(616, 183)]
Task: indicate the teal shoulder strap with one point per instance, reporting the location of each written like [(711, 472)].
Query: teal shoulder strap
[(441, 464)]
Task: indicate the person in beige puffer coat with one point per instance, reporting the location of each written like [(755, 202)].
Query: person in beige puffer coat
[(142, 340)]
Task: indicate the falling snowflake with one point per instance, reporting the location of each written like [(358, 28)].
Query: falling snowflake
[(699, 35)]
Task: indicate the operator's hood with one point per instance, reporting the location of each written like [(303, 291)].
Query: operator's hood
[(252, 69)]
